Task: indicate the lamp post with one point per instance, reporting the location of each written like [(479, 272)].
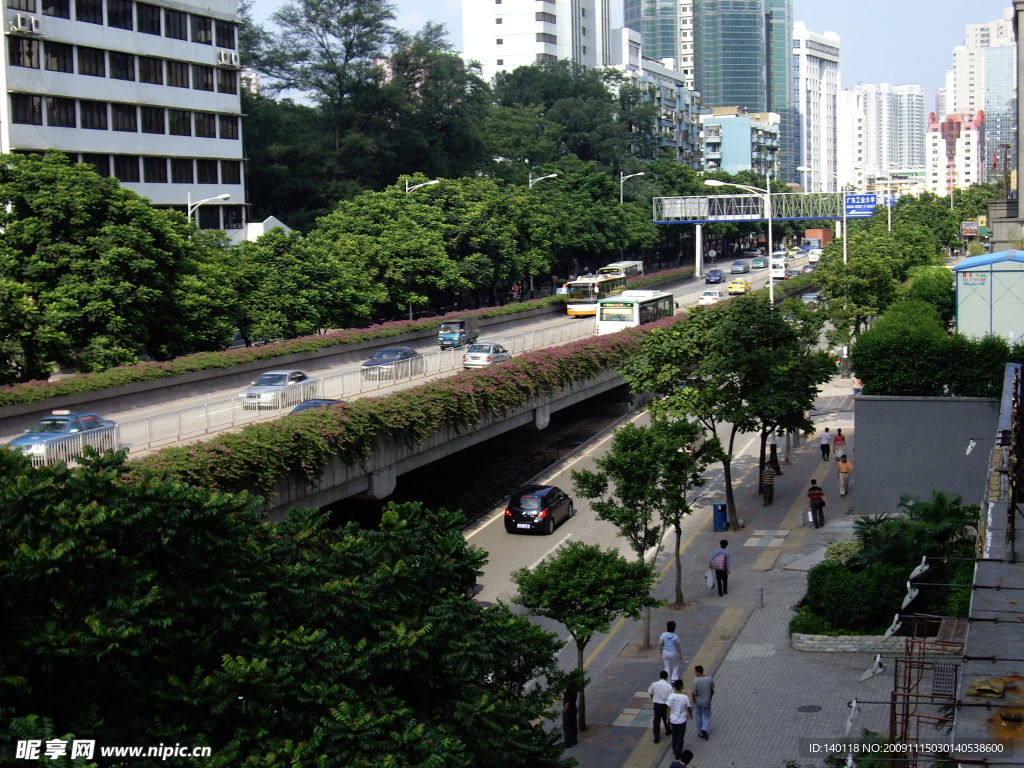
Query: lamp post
[(541, 178), (842, 198), (192, 207), (409, 189), (622, 181), (767, 195)]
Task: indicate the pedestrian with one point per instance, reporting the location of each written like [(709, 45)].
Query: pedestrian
[(858, 385), (845, 467), (679, 710), (660, 690), (816, 496), (839, 441), (569, 724), (702, 689), (720, 562), (713, 254), (671, 654), (826, 444), (768, 484), (683, 761), (515, 291)]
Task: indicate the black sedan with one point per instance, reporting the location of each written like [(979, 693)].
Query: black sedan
[(393, 363), (739, 267), (537, 509), (714, 276)]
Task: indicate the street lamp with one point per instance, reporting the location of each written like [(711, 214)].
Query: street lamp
[(842, 198), (409, 189), (767, 194), (622, 180), (191, 207), (541, 178)]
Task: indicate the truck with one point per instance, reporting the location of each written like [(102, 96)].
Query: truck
[(458, 333)]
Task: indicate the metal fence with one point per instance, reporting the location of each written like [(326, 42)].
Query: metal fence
[(163, 429)]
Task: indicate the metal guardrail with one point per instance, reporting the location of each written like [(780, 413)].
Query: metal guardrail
[(164, 429)]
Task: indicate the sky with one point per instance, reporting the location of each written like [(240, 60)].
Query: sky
[(883, 41)]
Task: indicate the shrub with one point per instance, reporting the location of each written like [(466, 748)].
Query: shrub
[(841, 551), (863, 601), (807, 622)]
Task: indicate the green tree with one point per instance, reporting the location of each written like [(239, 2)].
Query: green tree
[(585, 587), (934, 285), (898, 354)]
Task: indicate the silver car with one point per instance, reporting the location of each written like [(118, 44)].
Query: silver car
[(482, 354), (278, 389)]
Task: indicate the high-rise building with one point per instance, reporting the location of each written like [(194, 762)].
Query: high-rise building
[(894, 128), (735, 141), (516, 33), (983, 78), (145, 92), (816, 91), (850, 140), (955, 152)]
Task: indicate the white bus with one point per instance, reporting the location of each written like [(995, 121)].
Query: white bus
[(624, 268), (583, 293), (632, 308)]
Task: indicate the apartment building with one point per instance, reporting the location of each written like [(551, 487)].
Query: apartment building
[(736, 141), (955, 152), (816, 92)]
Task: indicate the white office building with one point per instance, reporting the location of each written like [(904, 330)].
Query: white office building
[(850, 140), (894, 129), (956, 152), (502, 36), (146, 92), (816, 90)]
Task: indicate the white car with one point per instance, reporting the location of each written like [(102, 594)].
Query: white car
[(814, 255), (710, 297), (278, 389), (482, 354)]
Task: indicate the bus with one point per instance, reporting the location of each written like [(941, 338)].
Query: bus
[(624, 268), (583, 293), (632, 308)]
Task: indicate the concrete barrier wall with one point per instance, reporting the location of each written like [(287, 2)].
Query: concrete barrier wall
[(846, 644)]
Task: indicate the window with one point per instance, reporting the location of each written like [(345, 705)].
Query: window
[(181, 170), (58, 8), (125, 117), (119, 14), (153, 120), (202, 30), (202, 77), (230, 172), (225, 34), (126, 167), (206, 172), (232, 216), (227, 81), (228, 127), (92, 61), (151, 70), (122, 66), (155, 169), (175, 24), (147, 18), (181, 122), (206, 125), (58, 57), (497, 21), (100, 162), (94, 114), (177, 74), (501, 41), (548, 18), (22, 5), (544, 37), (26, 109), (90, 11), (501, 62), (209, 217), (583, 31), (60, 113), (24, 52)]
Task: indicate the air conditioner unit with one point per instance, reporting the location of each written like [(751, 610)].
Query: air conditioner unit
[(227, 58), (34, 24), (19, 23)]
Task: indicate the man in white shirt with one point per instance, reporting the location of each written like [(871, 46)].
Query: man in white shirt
[(660, 690), (679, 711)]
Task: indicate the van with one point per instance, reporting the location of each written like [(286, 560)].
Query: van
[(778, 268)]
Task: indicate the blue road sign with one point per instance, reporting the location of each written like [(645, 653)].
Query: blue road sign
[(860, 206)]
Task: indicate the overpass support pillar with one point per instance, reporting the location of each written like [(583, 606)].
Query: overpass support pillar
[(542, 417), (382, 483)]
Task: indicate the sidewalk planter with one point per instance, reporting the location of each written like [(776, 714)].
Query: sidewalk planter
[(846, 643)]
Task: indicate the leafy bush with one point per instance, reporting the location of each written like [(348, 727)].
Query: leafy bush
[(861, 601), (841, 551), (807, 622)]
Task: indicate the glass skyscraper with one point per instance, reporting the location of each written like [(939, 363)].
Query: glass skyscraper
[(656, 21)]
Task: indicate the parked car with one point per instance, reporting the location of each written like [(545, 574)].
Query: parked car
[(739, 267), (482, 354), (714, 276), (307, 405), (753, 253), (278, 389), (814, 255), (393, 363), (739, 286), (537, 508), (761, 262), (97, 433), (710, 297), (791, 273)]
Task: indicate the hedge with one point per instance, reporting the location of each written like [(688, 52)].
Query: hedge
[(34, 391)]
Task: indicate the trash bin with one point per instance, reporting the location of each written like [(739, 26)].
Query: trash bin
[(721, 517)]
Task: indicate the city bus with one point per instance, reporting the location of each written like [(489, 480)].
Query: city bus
[(583, 293), (632, 308), (624, 268)]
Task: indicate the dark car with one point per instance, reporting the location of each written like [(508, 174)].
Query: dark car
[(739, 267), (394, 363), (537, 509), (44, 440), (791, 273), (808, 268), (714, 276), (306, 405)]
